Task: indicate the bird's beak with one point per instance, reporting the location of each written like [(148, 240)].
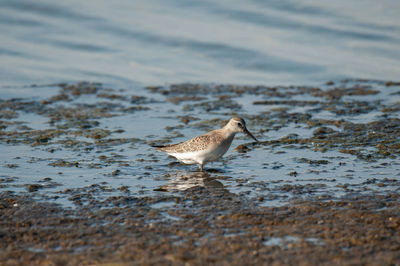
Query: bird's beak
[(249, 134)]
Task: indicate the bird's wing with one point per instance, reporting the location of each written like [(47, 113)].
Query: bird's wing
[(195, 144)]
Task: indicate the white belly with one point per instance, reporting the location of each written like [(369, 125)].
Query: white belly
[(200, 157)]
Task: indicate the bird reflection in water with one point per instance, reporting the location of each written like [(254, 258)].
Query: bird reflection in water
[(184, 180)]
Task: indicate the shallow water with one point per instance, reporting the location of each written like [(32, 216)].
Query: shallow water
[(95, 142), (104, 150)]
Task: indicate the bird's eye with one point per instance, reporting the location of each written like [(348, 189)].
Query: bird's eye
[(240, 125)]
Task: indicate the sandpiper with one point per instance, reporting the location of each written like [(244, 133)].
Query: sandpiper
[(208, 147)]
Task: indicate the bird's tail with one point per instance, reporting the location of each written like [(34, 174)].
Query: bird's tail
[(158, 146)]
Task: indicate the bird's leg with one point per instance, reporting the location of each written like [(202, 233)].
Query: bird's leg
[(200, 167)]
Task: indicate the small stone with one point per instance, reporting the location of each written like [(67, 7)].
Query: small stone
[(116, 172)]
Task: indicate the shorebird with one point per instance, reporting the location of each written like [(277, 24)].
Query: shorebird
[(208, 147)]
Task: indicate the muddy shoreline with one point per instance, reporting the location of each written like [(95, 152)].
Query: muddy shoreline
[(80, 183), (203, 225)]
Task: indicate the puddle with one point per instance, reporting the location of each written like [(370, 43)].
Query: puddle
[(286, 240), (281, 241), (35, 250), (162, 204)]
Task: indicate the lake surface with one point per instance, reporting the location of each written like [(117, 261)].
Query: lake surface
[(129, 43)]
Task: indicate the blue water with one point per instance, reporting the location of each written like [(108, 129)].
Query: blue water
[(138, 43)]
